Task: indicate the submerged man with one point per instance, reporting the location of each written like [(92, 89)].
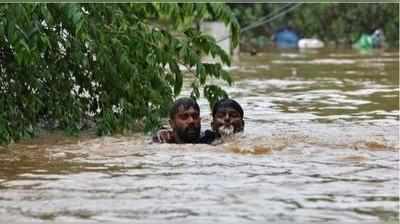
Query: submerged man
[(227, 120), (184, 119)]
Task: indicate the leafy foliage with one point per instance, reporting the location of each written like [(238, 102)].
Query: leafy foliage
[(115, 64), (342, 23)]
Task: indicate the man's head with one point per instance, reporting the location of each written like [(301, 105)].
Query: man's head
[(185, 120), (227, 117)]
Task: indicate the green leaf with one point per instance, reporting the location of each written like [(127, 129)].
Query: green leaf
[(214, 93), (195, 93), (201, 73), (226, 76), (178, 77)]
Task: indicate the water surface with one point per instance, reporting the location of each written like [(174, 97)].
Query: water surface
[(321, 145)]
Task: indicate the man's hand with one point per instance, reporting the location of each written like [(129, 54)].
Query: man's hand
[(164, 136)]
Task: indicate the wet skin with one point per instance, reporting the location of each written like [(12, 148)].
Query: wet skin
[(227, 117), (186, 125)]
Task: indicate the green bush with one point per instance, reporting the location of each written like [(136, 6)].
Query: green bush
[(342, 23), (115, 64)]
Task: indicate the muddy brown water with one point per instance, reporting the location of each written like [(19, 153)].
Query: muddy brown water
[(321, 145)]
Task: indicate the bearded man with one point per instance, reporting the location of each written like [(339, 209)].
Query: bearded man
[(227, 120), (184, 119)]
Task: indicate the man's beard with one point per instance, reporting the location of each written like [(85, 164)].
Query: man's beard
[(189, 134), (226, 131)]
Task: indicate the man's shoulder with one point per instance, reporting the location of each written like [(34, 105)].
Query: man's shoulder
[(208, 137), (165, 135)]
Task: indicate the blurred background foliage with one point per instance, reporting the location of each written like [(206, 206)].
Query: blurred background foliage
[(339, 24)]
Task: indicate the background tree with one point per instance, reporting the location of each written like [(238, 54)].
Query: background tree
[(340, 23), (114, 64)]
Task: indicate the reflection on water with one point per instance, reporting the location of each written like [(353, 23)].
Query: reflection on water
[(321, 145)]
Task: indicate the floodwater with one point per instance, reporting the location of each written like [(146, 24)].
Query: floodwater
[(321, 145)]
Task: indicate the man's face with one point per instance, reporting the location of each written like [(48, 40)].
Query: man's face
[(227, 121), (186, 125)]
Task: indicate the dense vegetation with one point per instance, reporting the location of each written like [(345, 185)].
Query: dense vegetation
[(339, 23), (115, 65)]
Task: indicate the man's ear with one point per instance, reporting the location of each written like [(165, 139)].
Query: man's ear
[(242, 125)]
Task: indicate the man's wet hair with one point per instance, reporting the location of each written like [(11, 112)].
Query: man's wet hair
[(227, 103), (186, 102)]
